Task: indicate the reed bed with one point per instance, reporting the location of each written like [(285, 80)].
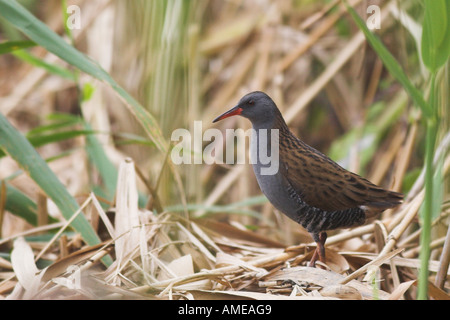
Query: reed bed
[(92, 207)]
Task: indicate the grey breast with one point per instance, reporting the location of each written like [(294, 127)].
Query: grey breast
[(266, 166)]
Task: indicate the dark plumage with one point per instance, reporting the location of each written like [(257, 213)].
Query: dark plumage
[(309, 187)]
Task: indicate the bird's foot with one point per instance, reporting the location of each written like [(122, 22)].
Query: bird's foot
[(314, 258), (319, 253)]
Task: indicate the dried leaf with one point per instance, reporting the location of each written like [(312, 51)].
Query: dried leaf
[(401, 289), (60, 266), (322, 278), (22, 260), (231, 232), (433, 291), (343, 292), (247, 295), (182, 266), (336, 261)]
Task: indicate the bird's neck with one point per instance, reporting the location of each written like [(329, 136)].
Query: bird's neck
[(273, 122)]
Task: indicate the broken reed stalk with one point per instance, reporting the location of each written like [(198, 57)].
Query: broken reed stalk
[(441, 275)]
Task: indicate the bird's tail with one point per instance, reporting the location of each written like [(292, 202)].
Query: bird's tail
[(381, 200)]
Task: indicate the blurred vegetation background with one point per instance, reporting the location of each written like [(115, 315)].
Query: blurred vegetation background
[(186, 61)]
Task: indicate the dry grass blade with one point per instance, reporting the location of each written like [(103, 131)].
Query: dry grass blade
[(193, 239), (368, 267), (58, 234)]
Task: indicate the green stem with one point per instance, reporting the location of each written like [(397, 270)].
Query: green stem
[(431, 130)]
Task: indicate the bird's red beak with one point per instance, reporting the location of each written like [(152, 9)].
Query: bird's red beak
[(232, 112)]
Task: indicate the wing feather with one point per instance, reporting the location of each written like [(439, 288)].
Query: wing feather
[(324, 184)]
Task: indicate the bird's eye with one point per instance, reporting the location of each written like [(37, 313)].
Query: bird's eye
[(251, 102)]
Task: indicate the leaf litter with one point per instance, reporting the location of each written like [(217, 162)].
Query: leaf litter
[(166, 256)]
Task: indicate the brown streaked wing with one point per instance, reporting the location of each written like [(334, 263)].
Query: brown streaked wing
[(323, 184)]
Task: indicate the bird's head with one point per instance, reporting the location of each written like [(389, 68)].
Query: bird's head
[(256, 106)]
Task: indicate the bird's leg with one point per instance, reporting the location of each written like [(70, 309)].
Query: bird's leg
[(312, 263), (319, 253), (323, 238)]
